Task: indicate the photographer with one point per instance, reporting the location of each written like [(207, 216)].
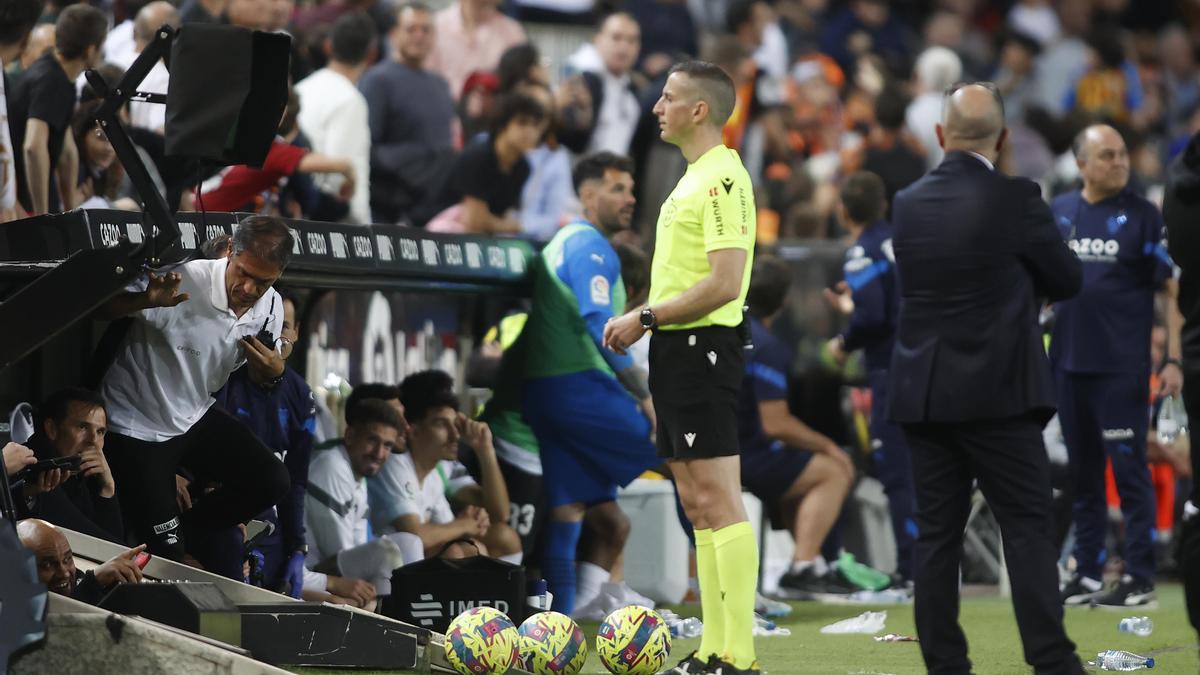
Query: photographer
[(56, 564), (72, 423), (191, 329)]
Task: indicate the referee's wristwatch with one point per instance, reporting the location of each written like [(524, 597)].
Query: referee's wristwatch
[(649, 321)]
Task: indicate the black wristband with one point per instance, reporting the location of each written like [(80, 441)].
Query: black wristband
[(1170, 362)]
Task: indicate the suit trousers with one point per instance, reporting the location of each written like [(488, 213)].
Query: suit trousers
[(1189, 544), (1008, 459)]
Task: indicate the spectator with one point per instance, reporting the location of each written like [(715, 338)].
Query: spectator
[(615, 116), (937, 68), (235, 188), (16, 20), (149, 19), (41, 41), (486, 183), (72, 422), (519, 65), (547, 200), (56, 564), (40, 116), (891, 152), (1181, 81), (252, 14), (668, 32), (118, 44), (203, 11), (1062, 61), (1110, 89), (335, 507), (867, 25), (785, 463), (471, 36), (411, 112), (99, 173), (411, 494), (1037, 19), (284, 418), (1016, 78), (333, 114), (157, 387)]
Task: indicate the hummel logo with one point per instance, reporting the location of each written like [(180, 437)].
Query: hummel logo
[(690, 438), (727, 183), (712, 358)]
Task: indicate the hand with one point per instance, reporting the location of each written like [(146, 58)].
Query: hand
[(647, 406), (162, 291), (46, 481), (120, 569), (477, 435), (265, 364), (837, 349), (93, 463), (622, 331), (357, 591), (1171, 378), (182, 497), (17, 457), (474, 521), (293, 576), (346, 192), (834, 451), (839, 298)]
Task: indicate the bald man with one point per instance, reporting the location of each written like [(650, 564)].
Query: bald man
[(149, 19), (1100, 351), (976, 254), (56, 564)]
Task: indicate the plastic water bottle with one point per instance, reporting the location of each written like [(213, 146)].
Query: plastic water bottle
[(687, 628), (1116, 660), (1172, 420), (1140, 626)]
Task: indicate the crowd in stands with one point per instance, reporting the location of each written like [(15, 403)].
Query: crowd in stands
[(451, 119)]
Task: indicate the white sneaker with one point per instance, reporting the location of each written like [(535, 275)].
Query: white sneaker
[(769, 608), (600, 607), (627, 595)]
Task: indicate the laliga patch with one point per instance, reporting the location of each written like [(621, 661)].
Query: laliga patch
[(599, 285)]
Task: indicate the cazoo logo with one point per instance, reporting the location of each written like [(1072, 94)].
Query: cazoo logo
[(1095, 249)]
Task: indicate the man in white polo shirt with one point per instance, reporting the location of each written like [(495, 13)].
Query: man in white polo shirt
[(191, 328)]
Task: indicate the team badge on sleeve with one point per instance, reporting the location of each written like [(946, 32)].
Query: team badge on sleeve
[(600, 294)]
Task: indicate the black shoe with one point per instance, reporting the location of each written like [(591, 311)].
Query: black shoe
[(719, 666), (1128, 592), (690, 665), (808, 585), (1080, 590)]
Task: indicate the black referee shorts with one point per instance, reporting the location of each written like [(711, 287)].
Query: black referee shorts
[(695, 379)]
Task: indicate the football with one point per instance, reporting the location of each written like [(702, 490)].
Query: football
[(481, 641), (552, 644), (633, 640)]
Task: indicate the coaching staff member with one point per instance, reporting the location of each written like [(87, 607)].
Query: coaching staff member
[(192, 328), (698, 282), (976, 253)]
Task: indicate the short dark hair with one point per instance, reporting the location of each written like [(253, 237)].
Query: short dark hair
[(374, 411), (635, 267), (268, 237), (770, 281), (864, 196), (739, 13), (593, 166), (371, 391), (17, 18), (515, 64), (425, 391), (511, 106), (890, 108), (56, 405), (216, 248), (714, 85), (352, 37), (79, 27)]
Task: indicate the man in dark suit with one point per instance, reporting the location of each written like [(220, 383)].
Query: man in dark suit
[(977, 253)]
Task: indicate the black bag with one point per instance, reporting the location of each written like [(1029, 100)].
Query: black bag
[(430, 593)]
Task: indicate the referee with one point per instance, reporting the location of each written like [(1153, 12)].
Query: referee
[(698, 283)]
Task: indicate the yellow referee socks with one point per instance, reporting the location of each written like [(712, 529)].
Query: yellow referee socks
[(737, 565), (712, 641)]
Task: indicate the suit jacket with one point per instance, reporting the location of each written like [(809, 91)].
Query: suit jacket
[(977, 252)]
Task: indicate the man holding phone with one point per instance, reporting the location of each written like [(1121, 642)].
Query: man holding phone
[(191, 329), (71, 485)]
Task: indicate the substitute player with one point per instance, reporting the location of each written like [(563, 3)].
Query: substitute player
[(698, 282), (1100, 350), (589, 408)]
